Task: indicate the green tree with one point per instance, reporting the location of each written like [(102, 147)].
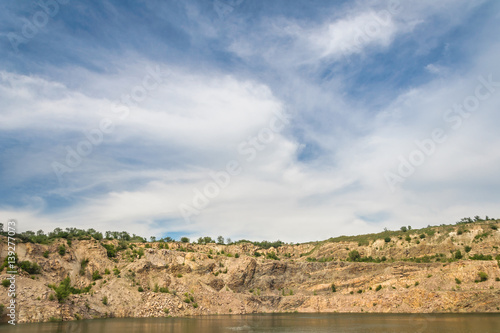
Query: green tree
[(185, 240), (220, 240), (62, 250)]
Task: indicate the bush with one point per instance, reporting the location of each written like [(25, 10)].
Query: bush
[(354, 255), (237, 255), (83, 265), (62, 250), (378, 287), (458, 254), (116, 271), (334, 289), (30, 267), (185, 240), (195, 305), (6, 283), (387, 239), (105, 300), (167, 311), (494, 227), (482, 276), (51, 297), (272, 255), (96, 276), (481, 257), (63, 290), (467, 248), (164, 290), (422, 236), (408, 238), (110, 250), (458, 281), (404, 229), (360, 291), (46, 254), (140, 289), (107, 272)]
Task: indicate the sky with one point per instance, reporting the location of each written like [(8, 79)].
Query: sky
[(251, 119)]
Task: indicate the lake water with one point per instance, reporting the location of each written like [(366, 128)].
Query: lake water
[(277, 323)]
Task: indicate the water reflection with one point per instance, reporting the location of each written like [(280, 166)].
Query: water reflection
[(277, 323)]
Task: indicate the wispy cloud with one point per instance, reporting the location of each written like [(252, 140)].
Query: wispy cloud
[(362, 83)]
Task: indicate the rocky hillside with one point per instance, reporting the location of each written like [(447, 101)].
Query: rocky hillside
[(437, 269)]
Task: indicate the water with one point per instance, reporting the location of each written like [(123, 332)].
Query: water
[(277, 323)]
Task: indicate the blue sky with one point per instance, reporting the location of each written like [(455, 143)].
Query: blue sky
[(297, 120)]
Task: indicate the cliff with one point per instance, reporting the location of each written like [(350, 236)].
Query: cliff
[(413, 273)]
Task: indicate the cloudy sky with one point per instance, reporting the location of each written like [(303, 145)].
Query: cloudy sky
[(256, 119)]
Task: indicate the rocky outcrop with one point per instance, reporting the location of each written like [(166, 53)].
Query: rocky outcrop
[(208, 279)]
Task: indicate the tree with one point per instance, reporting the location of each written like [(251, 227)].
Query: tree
[(185, 240), (1, 227), (409, 227), (220, 240), (404, 229), (153, 239), (228, 241)]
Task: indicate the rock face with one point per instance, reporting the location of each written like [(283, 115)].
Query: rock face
[(189, 279)]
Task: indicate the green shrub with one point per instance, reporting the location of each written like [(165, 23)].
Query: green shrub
[(164, 290), (6, 283), (167, 311), (257, 254), (116, 271), (467, 248), (360, 291), (107, 272), (422, 236), (62, 250), (46, 254), (482, 276), (96, 276), (481, 257), (354, 255), (30, 267), (105, 300), (110, 250), (63, 290), (334, 289), (272, 255), (179, 275), (458, 281), (417, 283), (494, 227), (408, 238), (237, 255), (387, 239), (378, 287), (458, 254), (51, 297), (195, 305), (83, 265), (140, 289)]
